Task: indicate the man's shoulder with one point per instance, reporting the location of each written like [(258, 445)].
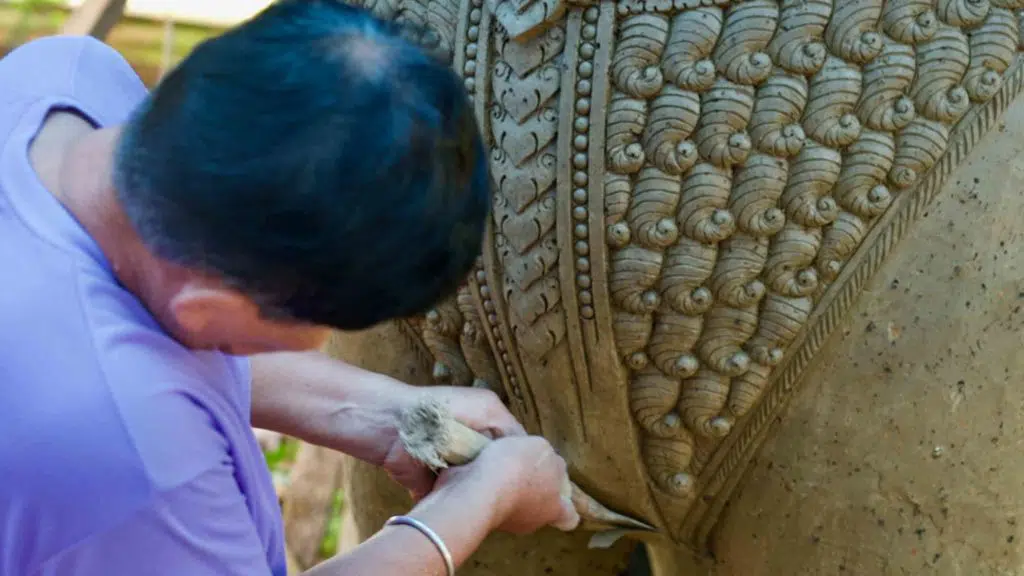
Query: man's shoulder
[(95, 415), (64, 65), (40, 66), (88, 379), (87, 373), (88, 348)]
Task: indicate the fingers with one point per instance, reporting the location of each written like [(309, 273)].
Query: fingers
[(413, 476), (570, 518), (498, 416), (533, 481), (483, 411), (505, 423), (418, 494), (420, 483)]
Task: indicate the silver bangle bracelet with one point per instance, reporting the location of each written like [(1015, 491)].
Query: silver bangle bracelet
[(430, 534)]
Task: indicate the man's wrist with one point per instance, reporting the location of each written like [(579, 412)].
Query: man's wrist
[(469, 491), (460, 513), (490, 491)]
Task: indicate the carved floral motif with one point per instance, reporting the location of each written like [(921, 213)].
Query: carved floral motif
[(807, 119)]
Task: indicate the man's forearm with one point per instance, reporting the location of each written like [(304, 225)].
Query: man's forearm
[(313, 397), (461, 518)]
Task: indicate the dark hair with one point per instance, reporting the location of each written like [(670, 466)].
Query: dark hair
[(317, 161)]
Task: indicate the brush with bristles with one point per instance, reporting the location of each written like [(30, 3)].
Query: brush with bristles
[(431, 435)]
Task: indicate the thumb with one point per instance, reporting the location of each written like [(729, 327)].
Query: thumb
[(570, 518), (419, 484), (414, 477), (418, 494)]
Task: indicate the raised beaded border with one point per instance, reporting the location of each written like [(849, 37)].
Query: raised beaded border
[(471, 50), (581, 161)]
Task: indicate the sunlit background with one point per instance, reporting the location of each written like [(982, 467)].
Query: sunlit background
[(212, 12), (153, 34)]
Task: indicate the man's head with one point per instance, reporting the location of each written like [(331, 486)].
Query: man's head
[(313, 169)]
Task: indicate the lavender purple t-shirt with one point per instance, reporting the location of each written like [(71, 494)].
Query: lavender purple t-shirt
[(121, 452)]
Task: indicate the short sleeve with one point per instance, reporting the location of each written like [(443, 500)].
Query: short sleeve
[(43, 67), (80, 68), (202, 528), (104, 78)]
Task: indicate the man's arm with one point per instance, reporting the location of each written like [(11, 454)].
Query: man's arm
[(308, 395), (203, 528), (514, 485), (461, 514), (313, 397)]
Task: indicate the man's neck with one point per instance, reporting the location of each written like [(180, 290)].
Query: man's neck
[(75, 161)]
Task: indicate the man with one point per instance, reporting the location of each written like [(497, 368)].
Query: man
[(171, 263)]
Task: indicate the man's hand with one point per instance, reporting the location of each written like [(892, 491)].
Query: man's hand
[(324, 401), (516, 484), (479, 409)]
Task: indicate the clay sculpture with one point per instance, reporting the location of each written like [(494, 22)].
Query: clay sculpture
[(690, 196)]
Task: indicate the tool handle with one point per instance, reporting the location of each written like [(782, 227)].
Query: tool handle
[(464, 444)]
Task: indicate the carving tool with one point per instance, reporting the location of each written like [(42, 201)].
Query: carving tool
[(431, 435)]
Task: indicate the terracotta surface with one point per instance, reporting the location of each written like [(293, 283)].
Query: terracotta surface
[(373, 497), (689, 199), (902, 454)]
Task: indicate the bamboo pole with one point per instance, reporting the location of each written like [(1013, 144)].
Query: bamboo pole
[(167, 46)]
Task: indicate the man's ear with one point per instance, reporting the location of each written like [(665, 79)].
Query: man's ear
[(200, 308)]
